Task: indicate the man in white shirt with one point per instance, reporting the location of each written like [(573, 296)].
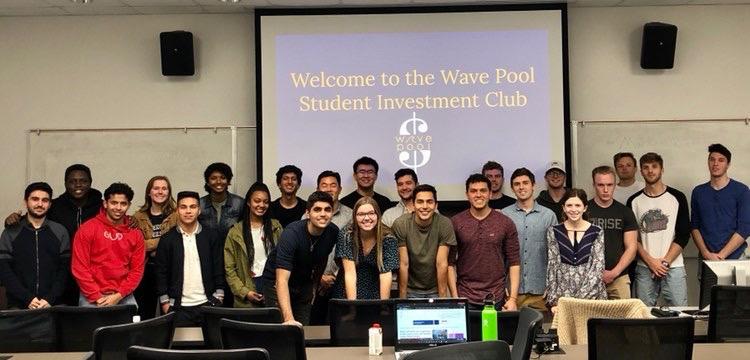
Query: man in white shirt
[(627, 185), (189, 268), (664, 230)]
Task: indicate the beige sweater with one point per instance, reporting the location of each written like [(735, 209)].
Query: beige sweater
[(572, 315)]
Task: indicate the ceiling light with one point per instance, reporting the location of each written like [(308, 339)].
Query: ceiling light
[(230, 1), (81, 1)]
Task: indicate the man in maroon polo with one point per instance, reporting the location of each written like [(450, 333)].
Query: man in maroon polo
[(487, 244)]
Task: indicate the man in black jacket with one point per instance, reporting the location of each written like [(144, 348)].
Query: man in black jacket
[(189, 266), (77, 204), (35, 254)]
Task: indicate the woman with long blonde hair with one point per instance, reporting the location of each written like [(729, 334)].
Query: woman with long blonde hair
[(154, 218), (367, 254)]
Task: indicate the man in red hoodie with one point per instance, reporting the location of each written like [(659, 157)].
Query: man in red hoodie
[(108, 255)]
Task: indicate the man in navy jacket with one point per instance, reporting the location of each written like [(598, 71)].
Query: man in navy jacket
[(189, 266), (35, 254)]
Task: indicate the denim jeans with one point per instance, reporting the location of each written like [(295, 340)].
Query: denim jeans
[(673, 286), (421, 294), (128, 300)]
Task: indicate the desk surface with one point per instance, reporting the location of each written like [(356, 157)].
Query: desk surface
[(700, 352), (195, 334), (51, 355), (321, 333), (572, 352), (353, 353)]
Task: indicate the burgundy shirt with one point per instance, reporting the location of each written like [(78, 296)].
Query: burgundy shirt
[(485, 248)]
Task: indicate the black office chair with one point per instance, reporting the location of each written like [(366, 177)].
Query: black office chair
[(112, 342), (477, 350), (281, 341), (729, 316), (529, 323), (213, 315), (27, 331), (643, 339), (507, 323), (350, 320), (147, 353), (76, 325)]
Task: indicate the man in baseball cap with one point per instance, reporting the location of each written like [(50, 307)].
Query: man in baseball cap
[(552, 197)]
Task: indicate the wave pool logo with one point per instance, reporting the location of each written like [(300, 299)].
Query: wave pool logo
[(413, 144)]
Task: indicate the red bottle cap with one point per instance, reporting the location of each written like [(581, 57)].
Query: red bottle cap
[(376, 325)]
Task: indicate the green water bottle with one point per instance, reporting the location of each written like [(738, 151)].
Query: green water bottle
[(489, 320)]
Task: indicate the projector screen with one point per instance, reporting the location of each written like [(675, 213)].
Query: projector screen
[(440, 91)]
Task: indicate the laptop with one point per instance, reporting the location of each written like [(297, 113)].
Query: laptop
[(426, 323)]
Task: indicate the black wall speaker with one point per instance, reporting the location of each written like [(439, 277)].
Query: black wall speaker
[(177, 53), (657, 49)]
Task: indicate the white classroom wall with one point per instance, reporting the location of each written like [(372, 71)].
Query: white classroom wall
[(105, 71)]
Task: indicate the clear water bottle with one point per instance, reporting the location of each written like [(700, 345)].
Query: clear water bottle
[(376, 339), (489, 320)]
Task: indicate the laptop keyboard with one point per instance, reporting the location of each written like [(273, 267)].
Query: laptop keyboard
[(402, 354)]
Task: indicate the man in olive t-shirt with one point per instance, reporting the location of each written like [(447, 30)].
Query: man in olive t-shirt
[(424, 240)]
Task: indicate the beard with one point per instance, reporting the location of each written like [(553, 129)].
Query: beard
[(649, 182), (31, 213)]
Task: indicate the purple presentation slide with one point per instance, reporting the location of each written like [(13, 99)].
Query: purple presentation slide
[(442, 103)]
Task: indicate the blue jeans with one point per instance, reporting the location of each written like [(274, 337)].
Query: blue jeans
[(128, 300), (421, 294), (673, 286)]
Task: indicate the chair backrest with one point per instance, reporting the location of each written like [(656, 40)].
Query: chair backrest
[(507, 323), (112, 342), (529, 323), (213, 315), (729, 316), (643, 339), (76, 325), (350, 320), (147, 353), (477, 350), (27, 331), (281, 341)]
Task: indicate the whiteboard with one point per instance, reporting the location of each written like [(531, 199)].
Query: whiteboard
[(682, 144), (134, 156)]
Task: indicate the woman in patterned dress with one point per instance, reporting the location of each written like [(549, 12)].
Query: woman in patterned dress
[(368, 253), (575, 250)]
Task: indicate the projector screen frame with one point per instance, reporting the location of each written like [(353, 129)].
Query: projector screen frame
[(444, 204)]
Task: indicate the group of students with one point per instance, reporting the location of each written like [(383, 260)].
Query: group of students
[(224, 250)]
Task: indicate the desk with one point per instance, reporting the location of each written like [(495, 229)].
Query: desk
[(52, 355), (725, 351), (353, 353), (193, 336), (572, 352), (700, 333), (320, 335)]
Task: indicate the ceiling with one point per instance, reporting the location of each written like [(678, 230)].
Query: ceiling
[(136, 7)]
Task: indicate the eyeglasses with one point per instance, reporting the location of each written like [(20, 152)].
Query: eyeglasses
[(370, 214)]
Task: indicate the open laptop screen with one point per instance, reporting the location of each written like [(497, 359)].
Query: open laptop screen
[(425, 323)]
